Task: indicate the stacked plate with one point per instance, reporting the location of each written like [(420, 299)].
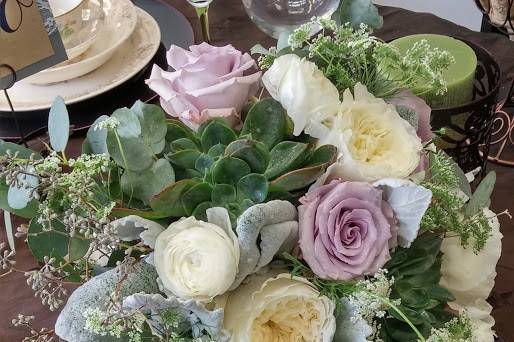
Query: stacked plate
[(126, 43)]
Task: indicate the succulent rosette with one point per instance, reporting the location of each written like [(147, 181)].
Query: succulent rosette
[(346, 230)]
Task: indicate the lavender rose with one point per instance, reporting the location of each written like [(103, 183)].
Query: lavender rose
[(346, 230), (209, 81)]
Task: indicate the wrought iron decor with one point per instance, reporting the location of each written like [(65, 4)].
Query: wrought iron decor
[(12, 72), (468, 127)]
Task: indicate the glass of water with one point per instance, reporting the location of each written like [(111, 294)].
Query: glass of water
[(202, 9), (276, 16)]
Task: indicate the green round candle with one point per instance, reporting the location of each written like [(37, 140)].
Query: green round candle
[(459, 76)]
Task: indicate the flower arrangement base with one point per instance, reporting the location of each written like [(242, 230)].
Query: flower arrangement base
[(467, 128)]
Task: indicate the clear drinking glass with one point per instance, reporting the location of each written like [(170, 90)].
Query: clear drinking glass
[(276, 16), (202, 10)]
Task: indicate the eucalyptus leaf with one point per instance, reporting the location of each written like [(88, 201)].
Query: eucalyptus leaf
[(29, 211), (18, 197), (129, 125), (259, 49), (143, 185), (286, 156), (357, 12), (168, 200), (283, 40), (43, 243), (254, 187), (153, 124), (223, 194), (22, 151), (482, 196), (130, 153), (97, 137), (58, 125), (266, 122), (77, 248), (229, 170)]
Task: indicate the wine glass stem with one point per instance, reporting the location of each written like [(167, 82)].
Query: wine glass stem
[(203, 15)]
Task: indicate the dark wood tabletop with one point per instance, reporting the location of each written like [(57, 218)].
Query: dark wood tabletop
[(230, 24)]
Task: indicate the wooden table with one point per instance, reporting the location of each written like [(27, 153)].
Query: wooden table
[(230, 24)]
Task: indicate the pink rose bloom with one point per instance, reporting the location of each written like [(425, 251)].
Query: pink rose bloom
[(208, 81), (346, 230)]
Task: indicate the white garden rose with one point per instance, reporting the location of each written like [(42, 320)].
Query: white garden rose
[(302, 89), (279, 309), (374, 142), (196, 259), (470, 277)]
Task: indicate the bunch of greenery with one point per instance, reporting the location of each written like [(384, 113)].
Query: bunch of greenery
[(348, 55)]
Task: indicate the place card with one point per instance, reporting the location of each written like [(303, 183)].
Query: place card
[(29, 39)]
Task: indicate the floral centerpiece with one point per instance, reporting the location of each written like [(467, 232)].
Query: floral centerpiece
[(320, 213)]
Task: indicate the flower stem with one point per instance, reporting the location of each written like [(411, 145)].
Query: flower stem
[(203, 15)]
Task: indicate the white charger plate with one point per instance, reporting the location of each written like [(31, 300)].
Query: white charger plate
[(120, 22), (128, 60)]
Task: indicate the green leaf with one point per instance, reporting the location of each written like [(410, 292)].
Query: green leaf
[(43, 243), (286, 156), (143, 185), (168, 200), (97, 137), (77, 248), (203, 163), (23, 152), (147, 214), (194, 196), (19, 197), (129, 126), (185, 158), (153, 124), (259, 49), (130, 153), (217, 150), (358, 12), (177, 130), (254, 187), (200, 212), (29, 211), (223, 194), (216, 133), (229, 170), (463, 180), (482, 196), (254, 153), (266, 122), (58, 125), (183, 144)]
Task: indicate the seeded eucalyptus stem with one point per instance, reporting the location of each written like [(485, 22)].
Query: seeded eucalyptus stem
[(203, 15)]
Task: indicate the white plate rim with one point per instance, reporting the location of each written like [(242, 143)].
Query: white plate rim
[(144, 62)]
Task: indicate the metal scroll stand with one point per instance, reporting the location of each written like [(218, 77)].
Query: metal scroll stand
[(23, 139)]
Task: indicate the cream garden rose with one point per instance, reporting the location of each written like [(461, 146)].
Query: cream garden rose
[(374, 141), (279, 309), (196, 259), (302, 89)]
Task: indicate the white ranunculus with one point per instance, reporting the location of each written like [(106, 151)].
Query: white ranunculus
[(302, 89), (196, 259), (374, 141), (279, 308), (470, 277)]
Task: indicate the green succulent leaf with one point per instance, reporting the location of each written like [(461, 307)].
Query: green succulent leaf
[(43, 243), (286, 156), (482, 196), (183, 144), (245, 204), (356, 12), (223, 194), (143, 185), (266, 122), (168, 201), (147, 214), (200, 212), (58, 125), (217, 150), (229, 170), (185, 158), (254, 187), (130, 153), (254, 153), (203, 163), (216, 132), (197, 194), (177, 130)]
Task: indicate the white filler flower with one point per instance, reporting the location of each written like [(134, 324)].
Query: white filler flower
[(196, 259), (279, 308)]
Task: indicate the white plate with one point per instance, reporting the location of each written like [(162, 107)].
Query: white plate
[(130, 58), (121, 20)]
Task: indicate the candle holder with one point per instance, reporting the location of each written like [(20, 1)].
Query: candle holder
[(467, 128)]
